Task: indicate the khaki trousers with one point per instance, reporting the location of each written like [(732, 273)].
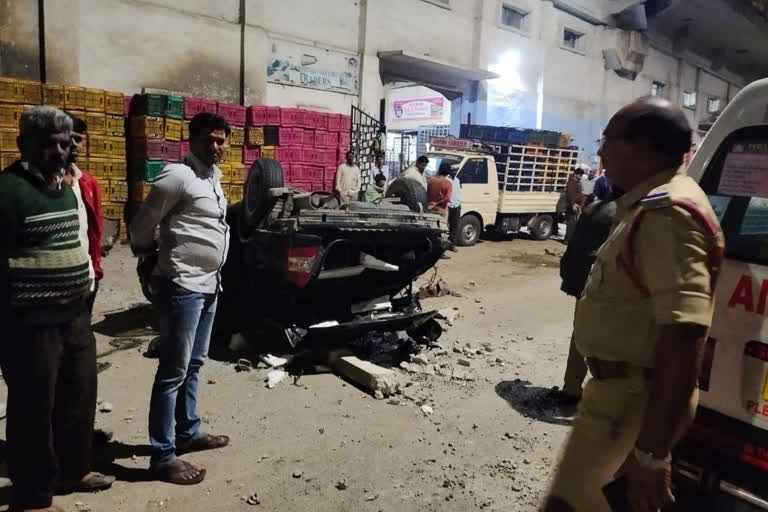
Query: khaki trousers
[(575, 371)]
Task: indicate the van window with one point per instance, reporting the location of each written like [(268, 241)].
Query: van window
[(474, 171), (736, 182), (435, 159)]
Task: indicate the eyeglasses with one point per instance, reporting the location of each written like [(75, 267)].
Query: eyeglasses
[(605, 138)]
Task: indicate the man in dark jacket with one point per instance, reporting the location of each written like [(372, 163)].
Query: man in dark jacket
[(591, 231)]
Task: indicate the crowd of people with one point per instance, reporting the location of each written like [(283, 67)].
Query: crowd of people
[(644, 302)]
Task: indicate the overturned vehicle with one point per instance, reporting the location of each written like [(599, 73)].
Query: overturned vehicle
[(301, 266)]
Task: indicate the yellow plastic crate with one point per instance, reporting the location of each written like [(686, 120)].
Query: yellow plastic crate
[(9, 90), (98, 167), (112, 210), (98, 146), (114, 103), (148, 126), (172, 129), (8, 139), (117, 169), (97, 123), (30, 92), (104, 187), (53, 95), (140, 190), (233, 154), (116, 147), (237, 137), (268, 151), (226, 170), (123, 236), (74, 98), (238, 173), (255, 135), (118, 191), (185, 129), (10, 114), (235, 193), (115, 126), (94, 100), (7, 158)]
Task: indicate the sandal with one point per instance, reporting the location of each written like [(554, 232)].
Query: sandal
[(201, 443), (91, 482), (179, 472)]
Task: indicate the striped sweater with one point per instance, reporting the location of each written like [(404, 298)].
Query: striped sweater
[(43, 268)]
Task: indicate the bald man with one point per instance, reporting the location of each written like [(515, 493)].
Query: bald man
[(643, 317)]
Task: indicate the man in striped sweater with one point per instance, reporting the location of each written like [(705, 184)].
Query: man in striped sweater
[(47, 351)]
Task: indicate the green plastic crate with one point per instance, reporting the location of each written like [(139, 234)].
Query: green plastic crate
[(149, 105), (175, 107), (146, 170)]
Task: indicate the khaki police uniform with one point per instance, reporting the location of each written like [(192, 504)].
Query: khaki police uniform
[(657, 268)]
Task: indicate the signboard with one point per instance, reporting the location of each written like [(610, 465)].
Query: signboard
[(745, 172), (451, 143), (424, 109), (290, 63)]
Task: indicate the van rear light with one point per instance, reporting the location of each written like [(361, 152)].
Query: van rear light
[(753, 453), (301, 261)]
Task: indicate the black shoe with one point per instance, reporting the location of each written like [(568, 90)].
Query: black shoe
[(453, 248), (563, 399)]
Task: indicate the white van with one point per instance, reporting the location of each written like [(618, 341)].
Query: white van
[(724, 458)]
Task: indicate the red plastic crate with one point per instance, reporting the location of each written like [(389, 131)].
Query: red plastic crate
[(333, 140), (284, 154), (234, 114), (301, 185), (127, 104), (330, 156), (251, 154), (308, 138), (313, 156), (346, 123), (321, 139), (193, 106), (289, 116), (256, 115), (291, 136), (322, 121), (175, 151), (311, 173), (312, 119), (302, 118), (334, 122), (273, 116), (344, 140), (329, 174), (148, 149)]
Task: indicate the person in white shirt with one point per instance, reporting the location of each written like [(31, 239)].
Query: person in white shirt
[(380, 167), (454, 207), (588, 183), (348, 180), (416, 171)]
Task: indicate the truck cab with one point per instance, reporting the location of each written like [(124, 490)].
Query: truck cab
[(723, 460)]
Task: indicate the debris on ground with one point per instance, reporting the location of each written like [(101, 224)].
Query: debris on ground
[(366, 374), (464, 362), (273, 361), (243, 365), (435, 289), (275, 377), (298, 474), (449, 316), (104, 406), (556, 254), (427, 410), (253, 499), (341, 485)]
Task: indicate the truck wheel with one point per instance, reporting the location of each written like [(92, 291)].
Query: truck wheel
[(265, 174), (542, 227), (410, 192), (469, 230)]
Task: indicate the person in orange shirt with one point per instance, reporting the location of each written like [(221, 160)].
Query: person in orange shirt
[(439, 190)]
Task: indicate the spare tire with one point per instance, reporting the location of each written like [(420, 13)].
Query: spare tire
[(410, 192), (264, 175)]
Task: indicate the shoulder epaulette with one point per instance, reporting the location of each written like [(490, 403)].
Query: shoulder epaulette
[(657, 198)]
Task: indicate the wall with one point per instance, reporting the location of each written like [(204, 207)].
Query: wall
[(19, 47)]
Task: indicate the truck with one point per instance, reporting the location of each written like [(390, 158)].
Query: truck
[(505, 187)]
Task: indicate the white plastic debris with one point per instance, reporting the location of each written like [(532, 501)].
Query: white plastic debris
[(374, 263), (273, 361), (275, 377), (427, 410)]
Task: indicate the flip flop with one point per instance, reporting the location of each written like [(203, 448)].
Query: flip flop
[(100, 367), (201, 443), (174, 473), (92, 482)]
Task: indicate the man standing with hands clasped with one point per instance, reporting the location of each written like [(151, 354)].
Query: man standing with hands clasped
[(187, 202), (643, 317)]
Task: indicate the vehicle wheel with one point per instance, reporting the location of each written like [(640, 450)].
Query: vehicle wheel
[(265, 174), (469, 230), (410, 192), (542, 227)]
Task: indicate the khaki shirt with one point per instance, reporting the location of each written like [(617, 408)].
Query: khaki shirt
[(614, 319)]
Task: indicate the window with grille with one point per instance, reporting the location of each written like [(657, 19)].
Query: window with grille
[(514, 18), (573, 40), (713, 105), (689, 99), (658, 89)]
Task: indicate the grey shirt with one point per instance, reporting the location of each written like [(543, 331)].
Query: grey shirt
[(187, 202)]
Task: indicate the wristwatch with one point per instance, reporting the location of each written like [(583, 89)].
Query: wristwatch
[(650, 461)]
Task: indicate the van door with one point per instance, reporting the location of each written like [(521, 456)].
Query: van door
[(479, 191)]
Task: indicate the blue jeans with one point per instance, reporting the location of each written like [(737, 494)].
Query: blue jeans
[(186, 335)]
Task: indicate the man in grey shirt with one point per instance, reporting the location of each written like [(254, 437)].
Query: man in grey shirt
[(188, 204)]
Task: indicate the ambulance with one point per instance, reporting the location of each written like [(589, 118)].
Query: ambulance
[(722, 464)]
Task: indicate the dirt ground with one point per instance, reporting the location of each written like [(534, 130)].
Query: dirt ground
[(490, 442)]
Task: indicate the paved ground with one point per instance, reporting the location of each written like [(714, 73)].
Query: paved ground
[(489, 444)]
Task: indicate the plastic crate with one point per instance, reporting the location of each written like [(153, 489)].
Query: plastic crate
[(30, 92), (302, 118), (176, 151), (517, 136), (287, 154), (98, 145), (9, 115), (289, 117), (334, 122), (97, 123), (148, 105), (174, 107), (114, 125), (114, 103), (97, 167), (345, 123), (254, 135), (330, 156), (333, 140), (302, 185), (237, 136), (95, 100), (53, 95), (74, 98), (235, 193), (7, 158), (127, 102), (238, 172), (268, 152), (146, 170), (112, 211), (148, 126), (310, 173), (185, 129), (8, 139), (191, 107), (321, 139), (273, 116), (9, 90), (172, 129), (118, 191), (290, 136), (148, 149), (272, 136), (234, 114), (251, 154), (344, 140), (256, 115), (140, 190), (308, 137), (233, 154), (116, 147), (312, 119)]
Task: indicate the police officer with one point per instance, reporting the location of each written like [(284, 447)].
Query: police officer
[(643, 317)]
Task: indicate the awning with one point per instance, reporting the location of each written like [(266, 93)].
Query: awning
[(447, 78)]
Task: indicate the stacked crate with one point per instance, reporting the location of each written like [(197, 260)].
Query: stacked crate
[(232, 162), (155, 126), (15, 96), (308, 144)]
